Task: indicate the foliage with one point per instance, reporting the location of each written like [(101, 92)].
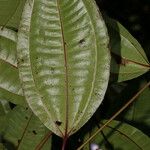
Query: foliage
[(54, 72)]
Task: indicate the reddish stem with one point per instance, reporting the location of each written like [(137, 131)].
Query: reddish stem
[(64, 142)]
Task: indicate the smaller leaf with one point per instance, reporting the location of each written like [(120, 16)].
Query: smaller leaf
[(119, 136), (11, 97), (10, 87), (8, 39), (10, 13), (24, 130), (7, 9), (128, 57)]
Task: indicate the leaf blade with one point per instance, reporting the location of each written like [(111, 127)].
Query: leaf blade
[(128, 57), (22, 127), (10, 87), (119, 135), (10, 13), (49, 108)]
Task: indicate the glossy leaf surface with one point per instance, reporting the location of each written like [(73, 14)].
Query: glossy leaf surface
[(63, 61), (25, 131), (119, 136), (128, 57), (10, 87)]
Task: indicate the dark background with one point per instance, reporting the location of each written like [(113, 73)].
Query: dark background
[(134, 15)]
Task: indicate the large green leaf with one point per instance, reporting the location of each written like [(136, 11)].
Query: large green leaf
[(128, 57), (24, 131), (119, 136), (63, 61), (10, 13), (10, 87)]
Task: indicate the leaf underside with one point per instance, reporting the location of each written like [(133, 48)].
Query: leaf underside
[(10, 87), (63, 61)]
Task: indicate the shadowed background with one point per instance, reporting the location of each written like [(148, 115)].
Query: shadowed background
[(134, 15)]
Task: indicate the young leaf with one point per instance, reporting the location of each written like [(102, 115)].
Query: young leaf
[(10, 87), (128, 57), (63, 61), (118, 135), (24, 131)]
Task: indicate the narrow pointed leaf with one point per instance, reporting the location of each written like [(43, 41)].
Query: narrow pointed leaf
[(128, 57), (63, 61), (118, 135), (25, 131), (10, 87)]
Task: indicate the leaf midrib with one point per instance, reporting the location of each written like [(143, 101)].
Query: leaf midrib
[(25, 129), (132, 61), (125, 135), (135, 47), (123, 36), (66, 68), (43, 141), (95, 68)]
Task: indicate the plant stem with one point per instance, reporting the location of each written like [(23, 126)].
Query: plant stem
[(64, 142), (115, 115), (44, 140)]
